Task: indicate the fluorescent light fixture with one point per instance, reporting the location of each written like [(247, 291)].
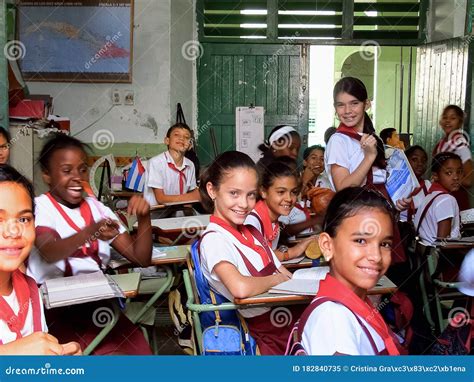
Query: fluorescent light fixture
[(371, 13), (253, 12), (250, 25), (307, 26), (309, 13), (307, 38), (254, 37)]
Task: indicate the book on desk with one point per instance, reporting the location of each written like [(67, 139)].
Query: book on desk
[(65, 291)]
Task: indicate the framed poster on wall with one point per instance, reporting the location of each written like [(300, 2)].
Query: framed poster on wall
[(76, 41)]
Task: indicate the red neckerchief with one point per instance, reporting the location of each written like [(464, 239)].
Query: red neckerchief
[(86, 213), (269, 231), (244, 236), (435, 186), (304, 209), (182, 175), (335, 290), (349, 131), (26, 290)]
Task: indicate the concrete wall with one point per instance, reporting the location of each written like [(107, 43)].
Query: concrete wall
[(161, 77)]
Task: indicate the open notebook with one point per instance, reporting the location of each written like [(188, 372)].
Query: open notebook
[(304, 282), (79, 289)]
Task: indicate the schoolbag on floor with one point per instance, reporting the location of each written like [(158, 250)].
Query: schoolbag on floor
[(456, 338), (224, 332)]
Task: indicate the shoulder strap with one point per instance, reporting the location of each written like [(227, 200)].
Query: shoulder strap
[(425, 211), (35, 304), (321, 300), (259, 222)]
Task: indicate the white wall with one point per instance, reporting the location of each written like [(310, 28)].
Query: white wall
[(160, 27), (445, 19)]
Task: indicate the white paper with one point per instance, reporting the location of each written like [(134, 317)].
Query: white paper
[(304, 282), (249, 129), (467, 216), (401, 179)]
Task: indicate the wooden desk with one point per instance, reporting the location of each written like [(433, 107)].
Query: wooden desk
[(384, 286), (173, 255)]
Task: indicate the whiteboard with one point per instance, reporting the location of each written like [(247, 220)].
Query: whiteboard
[(249, 130)]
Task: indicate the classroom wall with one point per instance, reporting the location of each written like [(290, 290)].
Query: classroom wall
[(161, 77)]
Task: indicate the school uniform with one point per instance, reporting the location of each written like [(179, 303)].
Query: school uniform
[(437, 206), (48, 218), (163, 173), (347, 152), (76, 322), (344, 149), (14, 323), (338, 321), (460, 146), (260, 219), (221, 243), (418, 196)]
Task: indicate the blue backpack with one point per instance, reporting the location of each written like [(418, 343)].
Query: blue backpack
[(224, 332)]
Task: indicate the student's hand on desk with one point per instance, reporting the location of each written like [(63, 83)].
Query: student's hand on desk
[(71, 348), (282, 276), (38, 343), (105, 229), (403, 204), (138, 206)]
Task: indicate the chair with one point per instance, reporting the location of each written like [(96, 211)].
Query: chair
[(194, 283), (434, 291)]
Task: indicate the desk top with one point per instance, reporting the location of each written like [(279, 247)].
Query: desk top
[(160, 256), (181, 224), (384, 286), (128, 283)]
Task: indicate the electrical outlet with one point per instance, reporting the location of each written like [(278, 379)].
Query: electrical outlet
[(129, 97), (116, 97)]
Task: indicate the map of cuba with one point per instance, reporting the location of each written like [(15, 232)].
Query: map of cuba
[(76, 39)]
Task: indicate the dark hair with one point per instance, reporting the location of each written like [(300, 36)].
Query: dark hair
[(308, 150), (9, 174), (179, 125), (6, 134), (459, 112), (277, 169), (386, 134), (222, 165), (265, 147), (357, 89), (411, 150), (328, 134), (58, 142), (441, 158), (348, 202)]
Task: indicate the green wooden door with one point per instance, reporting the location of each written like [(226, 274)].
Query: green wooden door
[(272, 76)]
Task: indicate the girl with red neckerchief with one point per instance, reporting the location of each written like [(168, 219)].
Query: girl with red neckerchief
[(236, 259), (457, 142), (356, 240), (355, 156), (279, 188), (73, 236), (23, 327)]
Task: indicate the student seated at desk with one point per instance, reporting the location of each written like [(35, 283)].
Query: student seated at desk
[(23, 327), (356, 240), (73, 235), (438, 215), (236, 259), (170, 177), (278, 191)]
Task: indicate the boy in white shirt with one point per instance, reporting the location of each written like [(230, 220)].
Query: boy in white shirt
[(170, 177)]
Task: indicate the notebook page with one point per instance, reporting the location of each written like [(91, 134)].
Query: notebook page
[(95, 279), (313, 273)]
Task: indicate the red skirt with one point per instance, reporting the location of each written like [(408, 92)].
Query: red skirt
[(271, 330), (78, 323)]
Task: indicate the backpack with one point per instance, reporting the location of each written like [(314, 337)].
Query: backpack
[(225, 332)]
